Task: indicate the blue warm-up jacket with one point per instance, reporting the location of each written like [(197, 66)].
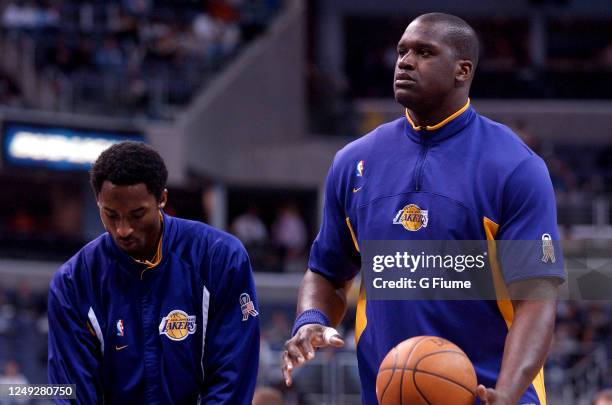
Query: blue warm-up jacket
[(184, 331)]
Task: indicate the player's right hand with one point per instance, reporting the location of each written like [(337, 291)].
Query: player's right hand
[(301, 347)]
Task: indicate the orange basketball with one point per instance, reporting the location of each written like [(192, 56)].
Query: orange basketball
[(426, 370)]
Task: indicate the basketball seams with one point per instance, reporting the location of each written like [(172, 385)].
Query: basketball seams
[(441, 351), (404, 368), (417, 386), (445, 379), (416, 369), (395, 352)]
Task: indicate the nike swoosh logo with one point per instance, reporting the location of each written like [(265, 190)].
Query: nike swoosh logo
[(356, 189), (120, 347)]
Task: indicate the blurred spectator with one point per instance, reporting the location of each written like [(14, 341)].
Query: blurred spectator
[(532, 141), (7, 313), (109, 56), (503, 54), (29, 15), (125, 28), (289, 234), (12, 375), (139, 8), (82, 56), (19, 15), (289, 230), (217, 37), (26, 302), (224, 10), (66, 217), (86, 17), (606, 56), (23, 223), (249, 227), (562, 177), (278, 331), (162, 53), (61, 56), (603, 398), (267, 396), (10, 93), (204, 27)]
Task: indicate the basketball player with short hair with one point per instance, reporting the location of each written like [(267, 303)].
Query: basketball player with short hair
[(158, 310), (458, 175)]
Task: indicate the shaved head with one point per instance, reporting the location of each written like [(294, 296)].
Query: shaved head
[(436, 60), (458, 34)]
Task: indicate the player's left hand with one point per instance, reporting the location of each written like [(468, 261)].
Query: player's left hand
[(489, 396)]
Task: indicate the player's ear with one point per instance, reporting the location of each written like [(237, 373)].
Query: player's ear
[(464, 71), (100, 212), (164, 199)]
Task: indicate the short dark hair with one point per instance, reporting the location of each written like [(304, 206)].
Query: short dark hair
[(459, 35), (128, 163)]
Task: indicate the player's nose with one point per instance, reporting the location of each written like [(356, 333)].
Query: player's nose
[(124, 229), (407, 61)]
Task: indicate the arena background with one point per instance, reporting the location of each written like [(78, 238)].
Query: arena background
[(247, 101)]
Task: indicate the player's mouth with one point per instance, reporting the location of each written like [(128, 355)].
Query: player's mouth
[(404, 76), (127, 244), (403, 79), (404, 82)]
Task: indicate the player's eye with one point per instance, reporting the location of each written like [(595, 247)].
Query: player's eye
[(138, 214), (424, 52)]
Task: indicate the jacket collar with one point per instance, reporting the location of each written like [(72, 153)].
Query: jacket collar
[(446, 128)]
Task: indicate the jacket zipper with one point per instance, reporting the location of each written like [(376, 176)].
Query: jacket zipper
[(418, 175)]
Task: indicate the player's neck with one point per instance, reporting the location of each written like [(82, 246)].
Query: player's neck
[(433, 116), (150, 254)]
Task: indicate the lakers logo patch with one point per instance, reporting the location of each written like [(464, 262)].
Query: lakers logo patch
[(412, 218), (177, 325)]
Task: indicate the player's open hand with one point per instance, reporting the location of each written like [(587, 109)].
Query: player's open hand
[(489, 396), (301, 347)]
